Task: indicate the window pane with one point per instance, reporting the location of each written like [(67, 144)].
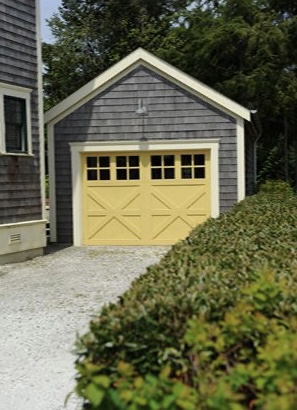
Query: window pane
[(92, 162), (168, 160), (104, 162), (134, 161), (104, 174), (169, 173), (156, 173), (15, 124), (199, 172), (121, 161), (186, 173), (186, 159), (134, 174), (13, 133), (156, 160), (92, 175), (199, 159), (121, 174)]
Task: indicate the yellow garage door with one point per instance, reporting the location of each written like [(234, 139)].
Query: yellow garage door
[(147, 198)]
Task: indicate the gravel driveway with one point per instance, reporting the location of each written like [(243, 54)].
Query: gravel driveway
[(43, 303)]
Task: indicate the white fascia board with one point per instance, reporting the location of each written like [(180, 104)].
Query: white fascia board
[(142, 57)]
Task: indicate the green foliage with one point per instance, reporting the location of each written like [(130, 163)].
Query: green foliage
[(90, 36), (212, 326)]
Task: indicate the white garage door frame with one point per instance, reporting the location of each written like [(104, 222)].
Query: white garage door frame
[(77, 148)]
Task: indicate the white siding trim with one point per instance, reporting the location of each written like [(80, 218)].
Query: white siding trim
[(40, 110), (142, 57), (78, 148), (240, 161), (77, 206), (52, 178)]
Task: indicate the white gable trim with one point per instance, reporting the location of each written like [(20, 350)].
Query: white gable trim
[(133, 60)]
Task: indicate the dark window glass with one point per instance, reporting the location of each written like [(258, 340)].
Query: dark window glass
[(104, 174), (199, 173), (134, 161), (186, 159), (15, 124), (121, 162), (199, 159), (186, 173), (169, 173), (156, 160), (104, 162), (168, 160), (121, 174), (156, 173), (92, 175), (134, 174), (92, 162)]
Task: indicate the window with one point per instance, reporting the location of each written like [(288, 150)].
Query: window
[(119, 168), (162, 167), (193, 166), (127, 168), (98, 168), (15, 120)]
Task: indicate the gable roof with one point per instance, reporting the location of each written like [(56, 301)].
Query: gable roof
[(129, 63)]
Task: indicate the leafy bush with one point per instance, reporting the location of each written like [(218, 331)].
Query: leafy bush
[(212, 326)]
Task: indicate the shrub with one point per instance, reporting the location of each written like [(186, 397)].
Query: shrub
[(212, 326)]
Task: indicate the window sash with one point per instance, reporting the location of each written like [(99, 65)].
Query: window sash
[(15, 117)]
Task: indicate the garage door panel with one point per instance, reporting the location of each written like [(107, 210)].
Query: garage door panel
[(113, 229), (173, 227), (147, 210)]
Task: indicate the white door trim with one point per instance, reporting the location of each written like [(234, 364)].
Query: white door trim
[(77, 148)]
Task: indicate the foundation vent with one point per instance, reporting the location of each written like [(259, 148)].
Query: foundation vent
[(15, 238)]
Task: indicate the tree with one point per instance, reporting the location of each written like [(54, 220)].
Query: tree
[(245, 49), (91, 35)]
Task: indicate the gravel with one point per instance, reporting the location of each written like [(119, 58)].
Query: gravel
[(44, 303)]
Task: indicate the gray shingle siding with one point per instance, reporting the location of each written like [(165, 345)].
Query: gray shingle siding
[(173, 113), (20, 198)]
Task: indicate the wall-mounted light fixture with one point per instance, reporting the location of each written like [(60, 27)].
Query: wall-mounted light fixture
[(142, 112)]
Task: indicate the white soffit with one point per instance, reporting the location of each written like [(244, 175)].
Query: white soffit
[(127, 64)]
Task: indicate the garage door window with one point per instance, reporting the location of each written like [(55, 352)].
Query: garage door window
[(127, 167), (162, 166), (98, 168), (193, 166)]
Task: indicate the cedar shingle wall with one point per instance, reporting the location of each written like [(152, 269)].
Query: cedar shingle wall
[(19, 176)]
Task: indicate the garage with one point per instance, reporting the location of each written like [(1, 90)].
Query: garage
[(153, 198), (144, 153)]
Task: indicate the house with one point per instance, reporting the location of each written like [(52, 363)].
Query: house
[(22, 224), (142, 154)]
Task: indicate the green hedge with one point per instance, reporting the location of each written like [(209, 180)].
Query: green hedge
[(212, 326)]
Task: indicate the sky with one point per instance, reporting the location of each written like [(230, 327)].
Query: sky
[(47, 8)]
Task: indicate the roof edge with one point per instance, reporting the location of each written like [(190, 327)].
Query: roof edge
[(138, 57)]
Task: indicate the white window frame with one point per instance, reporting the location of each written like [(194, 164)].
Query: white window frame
[(16, 92)]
